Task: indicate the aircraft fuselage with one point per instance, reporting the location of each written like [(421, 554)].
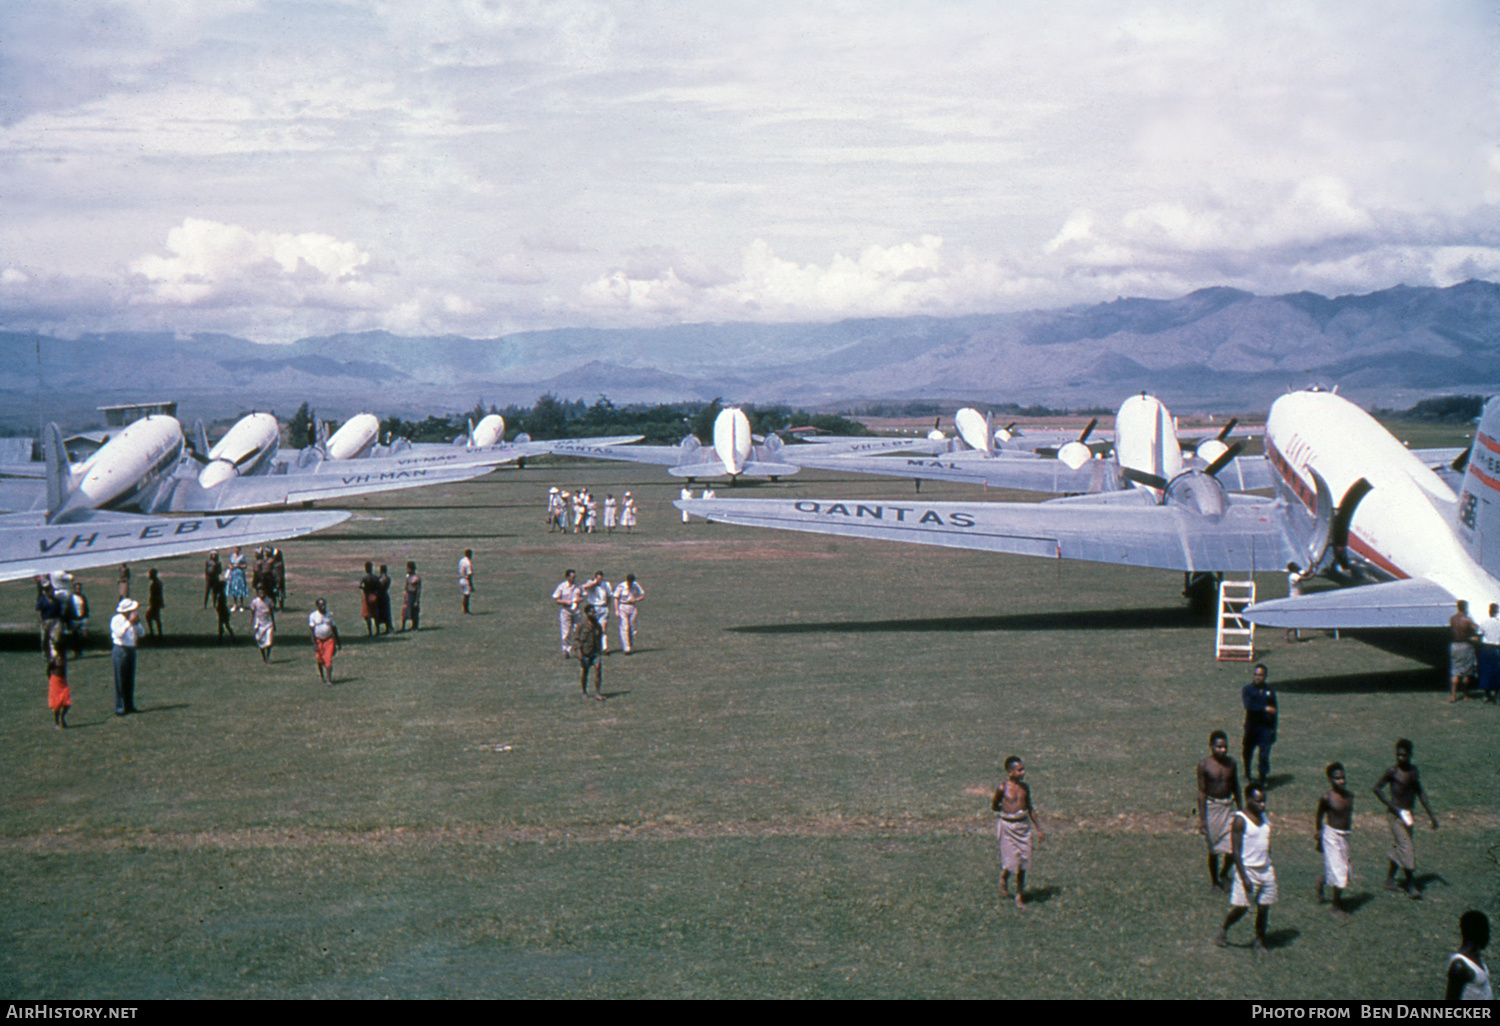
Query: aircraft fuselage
[(1406, 527)]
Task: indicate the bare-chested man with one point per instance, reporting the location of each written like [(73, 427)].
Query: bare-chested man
[(1462, 664), (1218, 799), (1406, 787), (1331, 826), (1014, 831)]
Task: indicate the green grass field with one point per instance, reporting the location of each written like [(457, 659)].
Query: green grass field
[(786, 794)]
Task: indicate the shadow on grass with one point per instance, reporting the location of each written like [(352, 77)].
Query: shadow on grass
[(1076, 620), (468, 536), (1040, 895), (1387, 682), (1279, 940)]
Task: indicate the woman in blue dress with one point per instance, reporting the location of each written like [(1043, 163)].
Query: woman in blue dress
[(239, 585)]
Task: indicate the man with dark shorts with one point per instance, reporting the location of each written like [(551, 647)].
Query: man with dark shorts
[(1260, 723), (1218, 799), (1406, 788)]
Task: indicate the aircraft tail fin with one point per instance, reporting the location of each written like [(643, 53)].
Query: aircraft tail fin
[(55, 458), (1479, 501)]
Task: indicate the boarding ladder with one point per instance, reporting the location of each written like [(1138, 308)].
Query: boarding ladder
[(1234, 638)]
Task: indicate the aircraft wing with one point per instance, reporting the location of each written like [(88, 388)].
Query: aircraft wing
[(1027, 473), (662, 455), (30, 546), (333, 479), (1247, 473), (1248, 536), (715, 468), (1413, 602), (23, 494)]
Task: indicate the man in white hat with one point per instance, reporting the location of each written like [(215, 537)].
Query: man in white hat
[(125, 629)]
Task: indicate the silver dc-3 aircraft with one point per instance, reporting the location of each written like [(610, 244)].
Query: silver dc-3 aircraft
[(358, 438), (74, 529), (976, 433), (1147, 453), (1352, 504), (734, 454), (144, 469)]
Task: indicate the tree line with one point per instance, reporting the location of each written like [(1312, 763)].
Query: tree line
[(551, 417)]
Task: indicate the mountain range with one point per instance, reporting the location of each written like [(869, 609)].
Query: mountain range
[(1214, 349)]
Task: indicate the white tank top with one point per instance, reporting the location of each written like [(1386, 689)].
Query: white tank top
[(1256, 847), (1477, 989)]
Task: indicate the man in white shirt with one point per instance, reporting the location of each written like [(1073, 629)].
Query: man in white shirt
[(685, 494), (325, 639), (1489, 653), (627, 596), (125, 629), (566, 596), (597, 593)]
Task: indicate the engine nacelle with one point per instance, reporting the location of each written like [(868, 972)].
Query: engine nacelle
[(1074, 455), (1197, 491), (1210, 450)]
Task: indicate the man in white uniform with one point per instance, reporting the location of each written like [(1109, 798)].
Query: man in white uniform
[(687, 493), (628, 595), (597, 593), (610, 512), (566, 596)]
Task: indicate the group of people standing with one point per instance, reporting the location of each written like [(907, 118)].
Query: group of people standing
[(581, 510), (1474, 653), (1237, 829), (63, 610), (583, 612)]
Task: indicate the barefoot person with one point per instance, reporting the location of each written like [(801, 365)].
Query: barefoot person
[(1405, 784), (1331, 826), (263, 622), (1218, 799), (1254, 876), (325, 639), (588, 638), (1014, 830)]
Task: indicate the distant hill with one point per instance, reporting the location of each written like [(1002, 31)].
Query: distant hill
[(1216, 348)]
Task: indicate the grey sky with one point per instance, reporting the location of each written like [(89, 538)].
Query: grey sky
[(277, 169)]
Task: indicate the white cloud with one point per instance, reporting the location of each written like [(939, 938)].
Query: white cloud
[(208, 256)]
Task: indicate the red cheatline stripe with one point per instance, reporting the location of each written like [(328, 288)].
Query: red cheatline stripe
[(1488, 442), (1484, 479)]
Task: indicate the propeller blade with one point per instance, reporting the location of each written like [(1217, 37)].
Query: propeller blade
[(1141, 477), (1462, 462), (1088, 430), (1224, 459), (1224, 434)]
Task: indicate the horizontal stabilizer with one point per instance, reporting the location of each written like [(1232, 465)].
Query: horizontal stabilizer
[(1415, 602)]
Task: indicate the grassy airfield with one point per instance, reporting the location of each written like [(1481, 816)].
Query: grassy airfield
[(786, 794)]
